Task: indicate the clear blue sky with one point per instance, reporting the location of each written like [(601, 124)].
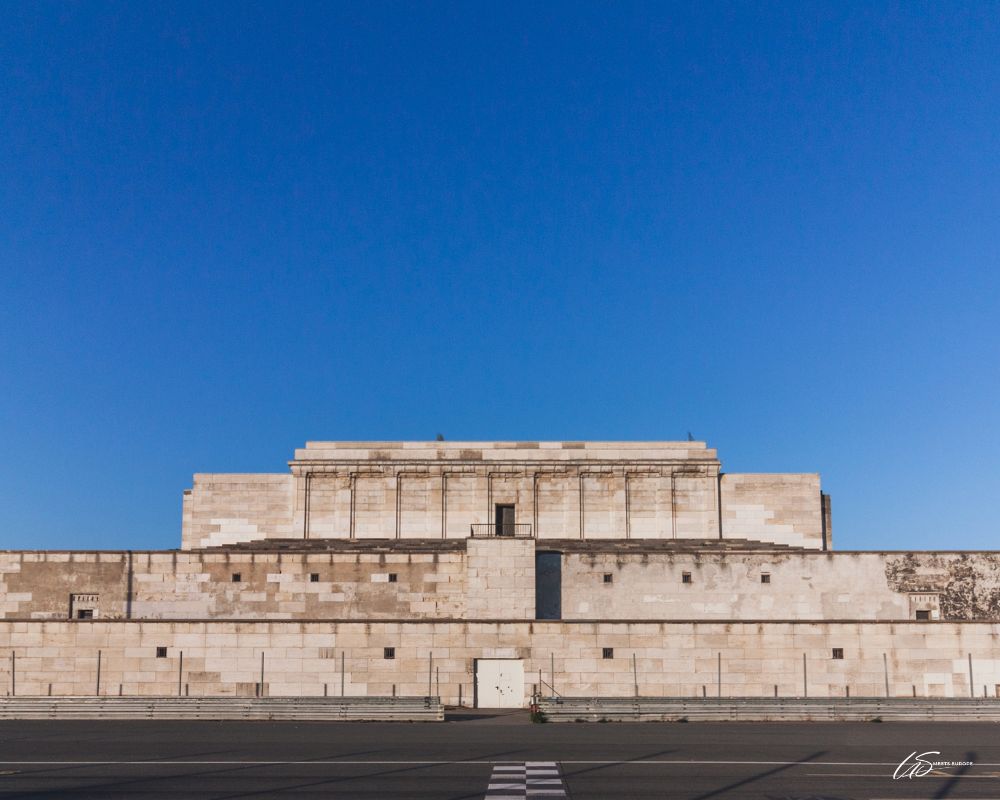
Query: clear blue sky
[(226, 228)]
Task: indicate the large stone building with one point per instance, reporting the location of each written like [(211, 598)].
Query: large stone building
[(483, 570)]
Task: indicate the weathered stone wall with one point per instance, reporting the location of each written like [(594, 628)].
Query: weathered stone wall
[(671, 659), (494, 578), (201, 586), (780, 508), (225, 509), (41, 584), (729, 586), (967, 584), (500, 582)]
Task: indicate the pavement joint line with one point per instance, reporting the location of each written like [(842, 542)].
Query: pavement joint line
[(445, 762)]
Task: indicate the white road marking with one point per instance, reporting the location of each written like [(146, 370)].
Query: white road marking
[(334, 762), (522, 781)]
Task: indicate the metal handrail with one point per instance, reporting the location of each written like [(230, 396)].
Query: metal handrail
[(520, 530)]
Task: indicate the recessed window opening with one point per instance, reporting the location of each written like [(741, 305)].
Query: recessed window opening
[(314, 577), (393, 577), (236, 577), (685, 577), (389, 652), (838, 653), (765, 577), (608, 652), (608, 577), (161, 652), (504, 519)]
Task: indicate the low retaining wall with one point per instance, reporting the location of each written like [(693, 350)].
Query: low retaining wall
[(861, 709), (396, 709)]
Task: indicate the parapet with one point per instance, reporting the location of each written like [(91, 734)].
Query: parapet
[(504, 452)]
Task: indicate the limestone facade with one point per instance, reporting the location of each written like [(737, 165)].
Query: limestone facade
[(494, 578), (559, 490), (675, 659), (605, 568)]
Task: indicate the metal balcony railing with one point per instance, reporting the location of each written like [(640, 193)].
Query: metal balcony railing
[(521, 530)]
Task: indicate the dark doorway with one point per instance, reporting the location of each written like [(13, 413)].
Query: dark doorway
[(548, 585), (505, 520)]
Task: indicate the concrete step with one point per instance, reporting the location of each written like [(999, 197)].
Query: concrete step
[(290, 708), (650, 709)]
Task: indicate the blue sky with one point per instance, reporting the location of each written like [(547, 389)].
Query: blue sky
[(227, 228)]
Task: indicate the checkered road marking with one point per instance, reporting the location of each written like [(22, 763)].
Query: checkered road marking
[(539, 779)]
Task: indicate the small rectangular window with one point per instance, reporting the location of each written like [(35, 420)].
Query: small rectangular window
[(161, 652), (85, 613), (685, 577), (765, 577), (389, 652), (237, 577), (838, 653), (608, 577), (392, 577), (608, 652), (314, 577), (923, 615)]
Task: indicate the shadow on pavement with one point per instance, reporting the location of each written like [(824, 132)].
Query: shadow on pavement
[(506, 716)]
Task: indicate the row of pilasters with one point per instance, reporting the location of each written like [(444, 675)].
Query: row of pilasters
[(407, 502)]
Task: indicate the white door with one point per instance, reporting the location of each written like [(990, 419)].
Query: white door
[(499, 683)]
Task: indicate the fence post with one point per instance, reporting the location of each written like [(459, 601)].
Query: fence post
[(885, 668), (460, 695), (437, 681), (718, 673), (13, 674), (430, 672), (261, 673), (180, 673), (635, 675), (552, 672), (805, 677), (98, 673), (972, 686), (342, 677)]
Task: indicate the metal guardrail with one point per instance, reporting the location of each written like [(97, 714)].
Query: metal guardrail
[(520, 530), (665, 709), (331, 709)]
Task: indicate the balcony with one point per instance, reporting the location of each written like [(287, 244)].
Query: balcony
[(520, 530)]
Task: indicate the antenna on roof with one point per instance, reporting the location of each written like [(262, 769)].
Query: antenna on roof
[(439, 437), (690, 437)]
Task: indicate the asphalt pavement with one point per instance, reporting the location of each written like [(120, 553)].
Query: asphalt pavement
[(478, 755)]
